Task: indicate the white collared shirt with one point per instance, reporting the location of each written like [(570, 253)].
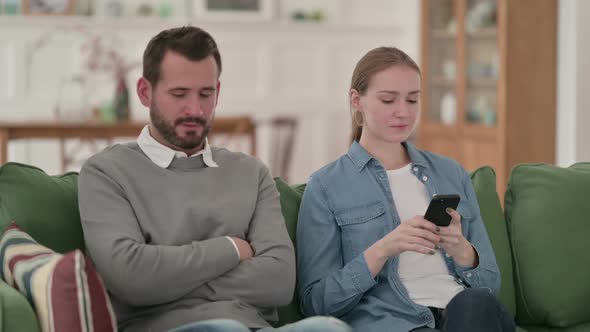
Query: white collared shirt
[(162, 156)]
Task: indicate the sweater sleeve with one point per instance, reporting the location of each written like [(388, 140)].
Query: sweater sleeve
[(135, 272), (268, 278)]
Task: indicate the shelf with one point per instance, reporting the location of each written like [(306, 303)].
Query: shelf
[(74, 21), (485, 33), (438, 129), (157, 23), (472, 83), (479, 131), (483, 83), (432, 128), (443, 34), (441, 81)]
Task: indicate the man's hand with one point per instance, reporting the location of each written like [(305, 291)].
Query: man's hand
[(244, 248), (455, 244)]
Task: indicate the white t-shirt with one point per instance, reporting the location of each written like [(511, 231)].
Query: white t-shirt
[(426, 277)]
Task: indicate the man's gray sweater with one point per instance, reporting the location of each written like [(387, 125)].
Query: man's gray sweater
[(157, 238)]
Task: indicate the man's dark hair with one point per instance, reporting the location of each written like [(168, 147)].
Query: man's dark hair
[(192, 42)]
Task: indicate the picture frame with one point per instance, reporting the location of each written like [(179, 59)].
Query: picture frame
[(48, 7), (233, 10)]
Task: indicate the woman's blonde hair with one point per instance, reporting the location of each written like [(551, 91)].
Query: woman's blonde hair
[(374, 61)]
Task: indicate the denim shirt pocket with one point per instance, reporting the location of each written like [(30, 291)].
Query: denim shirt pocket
[(467, 215), (360, 227)]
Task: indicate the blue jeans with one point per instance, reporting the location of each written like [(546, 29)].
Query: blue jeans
[(474, 309), (312, 324)]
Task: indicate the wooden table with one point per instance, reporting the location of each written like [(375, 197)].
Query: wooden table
[(243, 126)]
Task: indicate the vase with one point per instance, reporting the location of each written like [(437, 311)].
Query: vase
[(121, 102), (71, 104), (448, 109)]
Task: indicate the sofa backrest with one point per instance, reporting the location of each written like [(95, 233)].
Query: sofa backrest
[(45, 206), (484, 184), (290, 200), (548, 214)]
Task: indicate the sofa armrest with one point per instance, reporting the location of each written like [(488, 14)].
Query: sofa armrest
[(16, 314)]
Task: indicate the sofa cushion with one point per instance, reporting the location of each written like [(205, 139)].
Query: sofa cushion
[(548, 217), (578, 328), (65, 290), (45, 206), (484, 183), (290, 201), (16, 314)]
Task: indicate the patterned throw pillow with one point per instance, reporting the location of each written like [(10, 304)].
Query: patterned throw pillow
[(65, 291)]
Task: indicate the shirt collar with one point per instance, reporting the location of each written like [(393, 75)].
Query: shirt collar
[(162, 155), (360, 157)]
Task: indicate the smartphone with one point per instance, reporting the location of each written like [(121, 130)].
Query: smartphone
[(436, 212)]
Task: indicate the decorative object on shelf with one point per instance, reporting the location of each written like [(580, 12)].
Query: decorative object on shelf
[(103, 56), (495, 64), (481, 15), (48, 7), (72, 98), (234, 10), (315, 15), (121, 102), (489, 119), (85, 7), (10, 7), (449, 69), (452, 26), (448, 109), (482, 111), (298, 15), (145, 9), (164, 10), (103, 65), (479, 71), (114, 8)]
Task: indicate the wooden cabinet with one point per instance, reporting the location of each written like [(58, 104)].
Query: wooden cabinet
[(489, 82)]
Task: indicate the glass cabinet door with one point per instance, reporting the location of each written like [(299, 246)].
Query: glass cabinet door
[(441, 62), (481, 47)]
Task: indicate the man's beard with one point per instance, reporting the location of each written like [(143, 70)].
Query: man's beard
[(192, 140)]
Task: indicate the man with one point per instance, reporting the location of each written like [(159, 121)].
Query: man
[(180, 231)]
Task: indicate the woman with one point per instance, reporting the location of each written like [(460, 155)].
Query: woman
[(365, 252)]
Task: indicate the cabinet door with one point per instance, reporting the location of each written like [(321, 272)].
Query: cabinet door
[(439, 63), (481, 63)]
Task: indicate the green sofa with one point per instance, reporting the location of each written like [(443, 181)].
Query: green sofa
[(540, 238)]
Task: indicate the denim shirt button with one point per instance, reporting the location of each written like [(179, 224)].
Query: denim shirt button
[(415, 169), (425, 178), (447, 255), (468, 274)]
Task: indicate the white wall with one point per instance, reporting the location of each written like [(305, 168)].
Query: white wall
[(583, 82), (271, 68), (573, 109)]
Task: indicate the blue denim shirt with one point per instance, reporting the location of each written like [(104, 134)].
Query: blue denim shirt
[(347, 206)]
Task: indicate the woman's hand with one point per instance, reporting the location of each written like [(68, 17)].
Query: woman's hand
[(453, 242), (416, 234)]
